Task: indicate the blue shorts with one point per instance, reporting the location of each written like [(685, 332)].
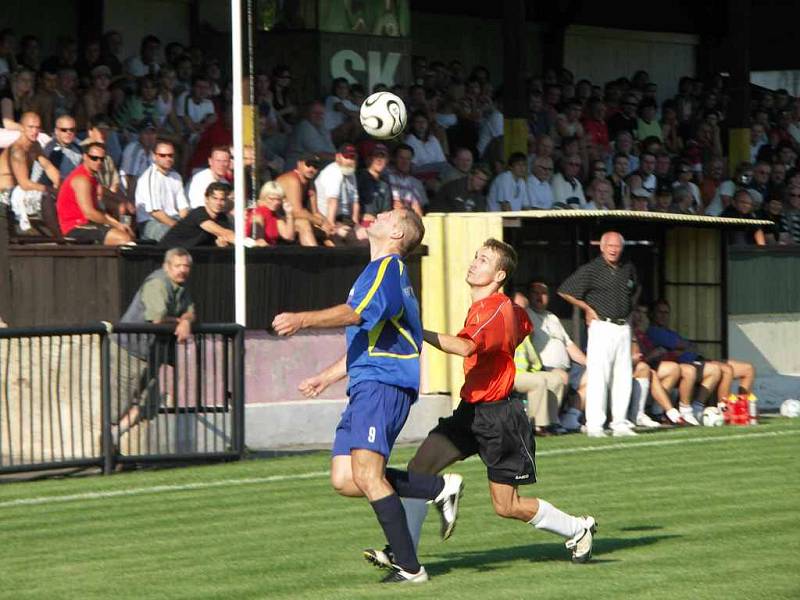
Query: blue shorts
[(373, 418)]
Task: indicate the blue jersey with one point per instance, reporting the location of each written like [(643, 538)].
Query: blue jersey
[(385, 346)]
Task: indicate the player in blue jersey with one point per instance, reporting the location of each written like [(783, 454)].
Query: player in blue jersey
[(384, 336)]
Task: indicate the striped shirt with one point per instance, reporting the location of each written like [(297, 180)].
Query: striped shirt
[(607, 289)]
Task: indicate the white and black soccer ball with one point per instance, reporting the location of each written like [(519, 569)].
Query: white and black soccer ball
[(383, 115), (712, 417), (790, 408)]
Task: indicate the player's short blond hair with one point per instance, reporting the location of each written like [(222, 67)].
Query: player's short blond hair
[(413, 230)]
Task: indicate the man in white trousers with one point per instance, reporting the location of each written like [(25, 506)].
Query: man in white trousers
[(605, 290)]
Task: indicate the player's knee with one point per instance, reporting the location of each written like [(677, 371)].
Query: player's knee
[(341, 483)]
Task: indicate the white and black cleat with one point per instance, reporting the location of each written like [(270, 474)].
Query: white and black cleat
[(383, 559), (398, 575), (581, 544), (447, 503)]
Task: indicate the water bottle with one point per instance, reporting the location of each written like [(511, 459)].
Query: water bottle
[(752, 407)]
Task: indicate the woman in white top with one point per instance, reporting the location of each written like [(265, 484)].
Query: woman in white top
[(428, 154)]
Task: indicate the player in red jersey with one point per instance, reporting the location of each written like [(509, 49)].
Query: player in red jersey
[(487, 421)]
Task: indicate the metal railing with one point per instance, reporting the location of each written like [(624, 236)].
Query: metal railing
[(104, 394)]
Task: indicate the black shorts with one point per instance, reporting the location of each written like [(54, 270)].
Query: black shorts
[(500, 433), (92, 233)]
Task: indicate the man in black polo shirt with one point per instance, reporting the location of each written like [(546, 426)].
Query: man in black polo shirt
[(605, 289), (206, 225), (465, 194)]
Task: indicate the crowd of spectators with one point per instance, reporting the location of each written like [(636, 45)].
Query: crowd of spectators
[(161, 119)]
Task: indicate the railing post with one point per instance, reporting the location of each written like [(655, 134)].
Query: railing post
[(238, 392), (105, 386)]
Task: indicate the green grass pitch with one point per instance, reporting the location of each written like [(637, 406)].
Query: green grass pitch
[(692, 513)]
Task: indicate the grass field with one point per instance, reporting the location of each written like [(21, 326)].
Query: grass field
[(690, 513)]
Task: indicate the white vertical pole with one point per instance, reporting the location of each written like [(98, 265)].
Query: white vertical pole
[(238, 167)]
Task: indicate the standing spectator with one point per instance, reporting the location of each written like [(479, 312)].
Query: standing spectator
[(311, 137), (308, 221), (605, 290), (78, 207), (459, 166), (160, 198), (138, 156), (146, 62), (540, 191), (265, 221), (567, 188), (510, 189), (465, 194), (374, 189), (194, 108), (742, 208), (206, 225), (219, 165), (407, 190), (63, 151), (337, 194)]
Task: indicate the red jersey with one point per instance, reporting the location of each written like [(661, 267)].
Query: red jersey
[(270, 224), (497, 326), (69, 213)]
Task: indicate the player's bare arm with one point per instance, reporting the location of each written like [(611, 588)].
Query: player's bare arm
[(591, 315), (450, 343), (341, 315), (314, 386)]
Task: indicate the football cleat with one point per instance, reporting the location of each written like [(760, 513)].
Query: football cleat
[(581, 544), (383, 559), (447, 502), (398, 575), (644, 420)]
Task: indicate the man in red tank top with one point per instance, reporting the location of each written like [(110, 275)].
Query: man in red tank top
[(487, 421), (79, 215)]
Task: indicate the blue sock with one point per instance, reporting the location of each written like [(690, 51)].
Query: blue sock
[(408, 484), (392, 518)]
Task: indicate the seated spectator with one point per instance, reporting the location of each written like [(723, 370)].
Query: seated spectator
[(539, 188), (647, 124), (663, 199), (511, 189), (220, 134), (670, 128), (183, 75), (160, 198), (602, 195), (684, 175), (682, 201), (107, 175), (793, 211), (194, 109), (22, 165), (779, 233), (96, 100), (465, 194), (66, 92), (146, 61), (594, 124), (429, 158), (266, 221), (341, 114), (141, 108), (623, 145), (640, 200), (44, 100), (626, 119), (29, 56), (91, 57), (568, 124), (308, 221), (165, 100), (63, 151), (78, 206), (742, 208), (337, 195), (663, 169), (490, 127), (545, 148), (644, 176), (374, 189), (311, 137), (567, 188), (544, 389), (283, 101), (759, 183), (206, 225), (459, 166), (219, 165), (727, 189), (17, 99), (621, 190), (407, 190), (138, 156)]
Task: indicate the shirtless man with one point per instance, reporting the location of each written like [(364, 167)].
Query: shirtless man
[(304, 202), (17, 164)]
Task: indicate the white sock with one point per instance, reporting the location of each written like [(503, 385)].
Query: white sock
[(686, 409), (416, 511), (644, 390), (555, 521)]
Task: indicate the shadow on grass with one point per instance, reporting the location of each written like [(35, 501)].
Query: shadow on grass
[(641, 528), (497, 558)]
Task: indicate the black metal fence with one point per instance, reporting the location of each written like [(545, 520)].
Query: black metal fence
[(104, 394)]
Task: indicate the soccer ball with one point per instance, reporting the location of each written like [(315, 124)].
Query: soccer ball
[(790, 408), (383, 115), (712, 417)]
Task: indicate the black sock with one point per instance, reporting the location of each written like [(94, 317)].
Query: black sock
[(392, 518), (408, 484)]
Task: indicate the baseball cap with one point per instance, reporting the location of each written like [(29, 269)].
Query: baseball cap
[(348, 150), (312, 159)]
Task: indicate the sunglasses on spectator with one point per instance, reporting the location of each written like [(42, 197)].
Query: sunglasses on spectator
[(95, 158), (165, 154), (67, 129)]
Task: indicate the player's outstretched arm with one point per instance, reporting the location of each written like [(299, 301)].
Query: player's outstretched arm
[(450, 343), (314, 386), (341, 315)]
